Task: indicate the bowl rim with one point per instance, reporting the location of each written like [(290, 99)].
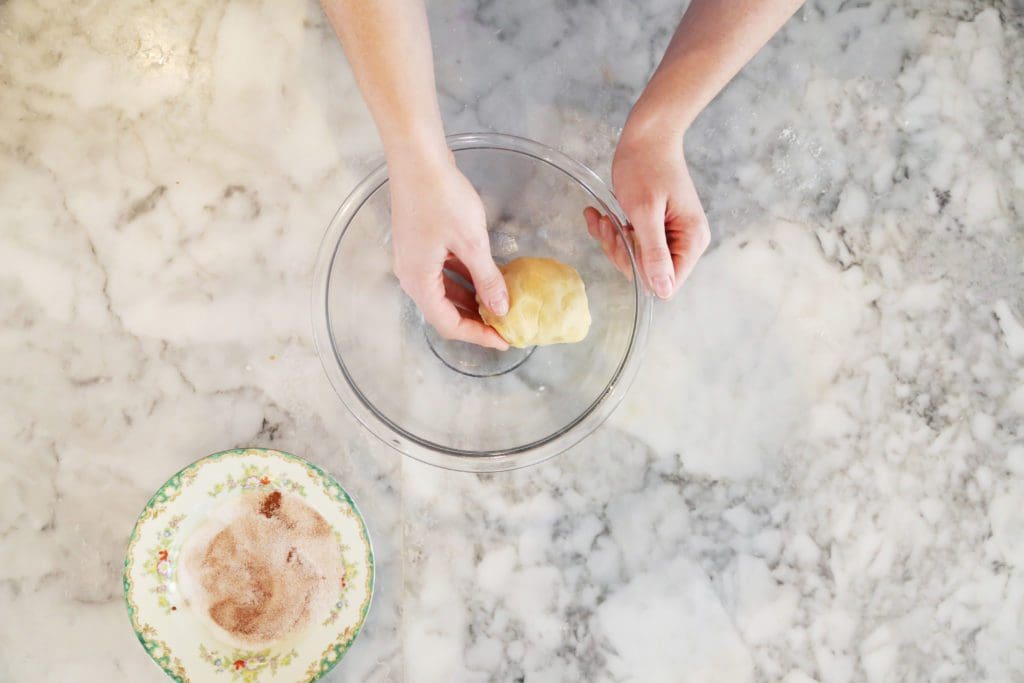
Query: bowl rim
[(440, 455)]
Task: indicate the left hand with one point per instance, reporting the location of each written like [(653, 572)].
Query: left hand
[(669, 228)]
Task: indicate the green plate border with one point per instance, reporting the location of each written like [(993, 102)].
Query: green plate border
[(157, 649)]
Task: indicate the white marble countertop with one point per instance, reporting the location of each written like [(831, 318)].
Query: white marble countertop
[(819, 474)]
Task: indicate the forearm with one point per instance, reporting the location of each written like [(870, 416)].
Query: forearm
[(712, 43), (388, 46)]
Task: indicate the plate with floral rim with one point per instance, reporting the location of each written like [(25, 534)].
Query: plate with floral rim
[(175, 637)]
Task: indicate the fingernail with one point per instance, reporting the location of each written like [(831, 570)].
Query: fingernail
[(499, 305), (662, 286)]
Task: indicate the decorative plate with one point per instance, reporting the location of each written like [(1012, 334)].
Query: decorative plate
[(183, 645)]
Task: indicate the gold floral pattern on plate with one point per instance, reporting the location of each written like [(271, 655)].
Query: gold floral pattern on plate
[(247, 666), (174, 637)]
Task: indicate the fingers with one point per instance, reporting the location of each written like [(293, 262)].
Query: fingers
[(648, 220), (450, 323), (446, 305), (620, 247), (612, 243), (456, 266), (688, 239), (463, 299), (487, 279)]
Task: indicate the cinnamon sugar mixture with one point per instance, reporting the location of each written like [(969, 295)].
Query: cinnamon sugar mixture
[(262, 568)]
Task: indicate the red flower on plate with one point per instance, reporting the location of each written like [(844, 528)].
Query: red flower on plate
[(265, 480), (239, 664), (162, 554)]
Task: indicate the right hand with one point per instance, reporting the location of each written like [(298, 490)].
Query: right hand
[(438, 224)]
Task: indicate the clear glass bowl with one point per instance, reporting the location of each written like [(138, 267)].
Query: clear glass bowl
[(453, 404)]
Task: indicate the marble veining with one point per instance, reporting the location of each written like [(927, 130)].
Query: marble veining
[(818, 476)]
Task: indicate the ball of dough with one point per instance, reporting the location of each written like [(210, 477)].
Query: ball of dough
[(547, 304)]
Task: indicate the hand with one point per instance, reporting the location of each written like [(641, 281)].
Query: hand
[(438, 224), (668, 224)]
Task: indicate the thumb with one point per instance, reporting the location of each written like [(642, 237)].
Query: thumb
[(649, 226), (487, 279)]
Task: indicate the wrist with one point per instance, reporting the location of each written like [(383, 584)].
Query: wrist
[(412, 151), (412, 163), (653, 124), (664, 110), (652, 128)]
